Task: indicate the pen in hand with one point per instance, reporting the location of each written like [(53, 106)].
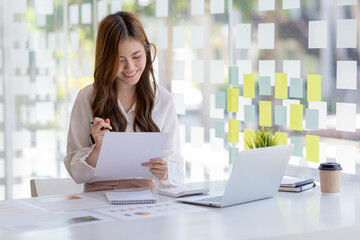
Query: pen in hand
[(102, 128)]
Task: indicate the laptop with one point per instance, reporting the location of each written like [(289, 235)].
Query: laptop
[(256, 174)]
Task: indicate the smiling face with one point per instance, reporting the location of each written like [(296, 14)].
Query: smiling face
[(132, 63)]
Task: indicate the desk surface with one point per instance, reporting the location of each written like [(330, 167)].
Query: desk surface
[(305, 215)]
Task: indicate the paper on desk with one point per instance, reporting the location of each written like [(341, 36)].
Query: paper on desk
[(17, 209), (50, 220), (122, 153)]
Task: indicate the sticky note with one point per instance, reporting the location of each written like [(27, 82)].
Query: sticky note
[(217, 71), (248, 135), (219, 129), (346, 156), (281, 85), (178, 37), (346, 2), (179, 100), (346, 34), (233, 75), (242, 103), (249, 113), (217, 6), (43, 7), (296, 87), (280, 115), (45, 112), (74, 14), (245, 67), (299, 145), (314, 88), (312, 119), (102, 10), (243, 35), (312, 148), (197, 7), (85, 67), (317, 34), (322, 107), (216, 144), (233, 100), (233, 135), (17, 7), (115, 6), (233, 153), (197, 37), (291, 4), (292, 69), (162, 8), (162, 37), (267, 68), (346, 117), (85, 13), (197, 137), (266, 5), (346, 75), (197, 71), (265, 113), (282, 138), (264, 86), (249, 86), (220, 100), (215, 112), (178, 69), (296, 117), (266, 33)]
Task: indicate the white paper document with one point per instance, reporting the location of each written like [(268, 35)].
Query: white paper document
[(122, 153)]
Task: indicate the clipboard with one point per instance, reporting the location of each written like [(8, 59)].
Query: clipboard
[(122, 153)]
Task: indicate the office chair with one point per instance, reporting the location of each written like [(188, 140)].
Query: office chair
[(54, 186)]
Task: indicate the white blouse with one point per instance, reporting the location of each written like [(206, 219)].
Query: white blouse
[(79, 144)]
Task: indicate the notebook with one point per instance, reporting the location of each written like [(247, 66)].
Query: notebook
[(256, 174), (181, 191), (135, 197)]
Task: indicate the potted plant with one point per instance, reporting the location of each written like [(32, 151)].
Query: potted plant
[(262, 138)]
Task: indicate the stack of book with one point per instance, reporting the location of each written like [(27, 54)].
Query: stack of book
[(296, 184)]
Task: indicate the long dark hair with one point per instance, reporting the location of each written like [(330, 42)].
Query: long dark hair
[(112, 30)]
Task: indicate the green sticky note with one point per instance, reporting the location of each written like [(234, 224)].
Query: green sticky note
[(233, 100), (314, 88), (281, 85), (220, 100), (249, 113), (233, 131), (282, 138), (265, 113), (312, 148), (299, 145), (312, 118), (296, 87), (249, 85), (219, 129), (296, 117), (233, 153), (233, 75), (248, 136), (264, 86), (280, 115)]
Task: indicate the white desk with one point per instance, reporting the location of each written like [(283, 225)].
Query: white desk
[(307, 215)]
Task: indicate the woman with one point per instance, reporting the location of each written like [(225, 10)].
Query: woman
[(122, 99)]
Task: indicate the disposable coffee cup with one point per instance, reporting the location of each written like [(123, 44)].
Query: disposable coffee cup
[(330, 176)]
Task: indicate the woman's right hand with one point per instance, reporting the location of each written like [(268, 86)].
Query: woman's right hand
[(98, 130)]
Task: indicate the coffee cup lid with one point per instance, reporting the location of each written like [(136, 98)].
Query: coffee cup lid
[(330, 166)]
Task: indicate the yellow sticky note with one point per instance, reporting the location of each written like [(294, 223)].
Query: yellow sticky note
[(233, 100), (281, 88), (233, 131), (282, 138), (249, 85), (265, 113), (312, 148), (248, 135), (314, 88), (296, 117)]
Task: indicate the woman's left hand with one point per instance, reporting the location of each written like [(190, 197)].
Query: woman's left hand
[(158, 167)]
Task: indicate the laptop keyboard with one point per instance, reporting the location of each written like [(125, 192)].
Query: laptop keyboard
[(212, 199)]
